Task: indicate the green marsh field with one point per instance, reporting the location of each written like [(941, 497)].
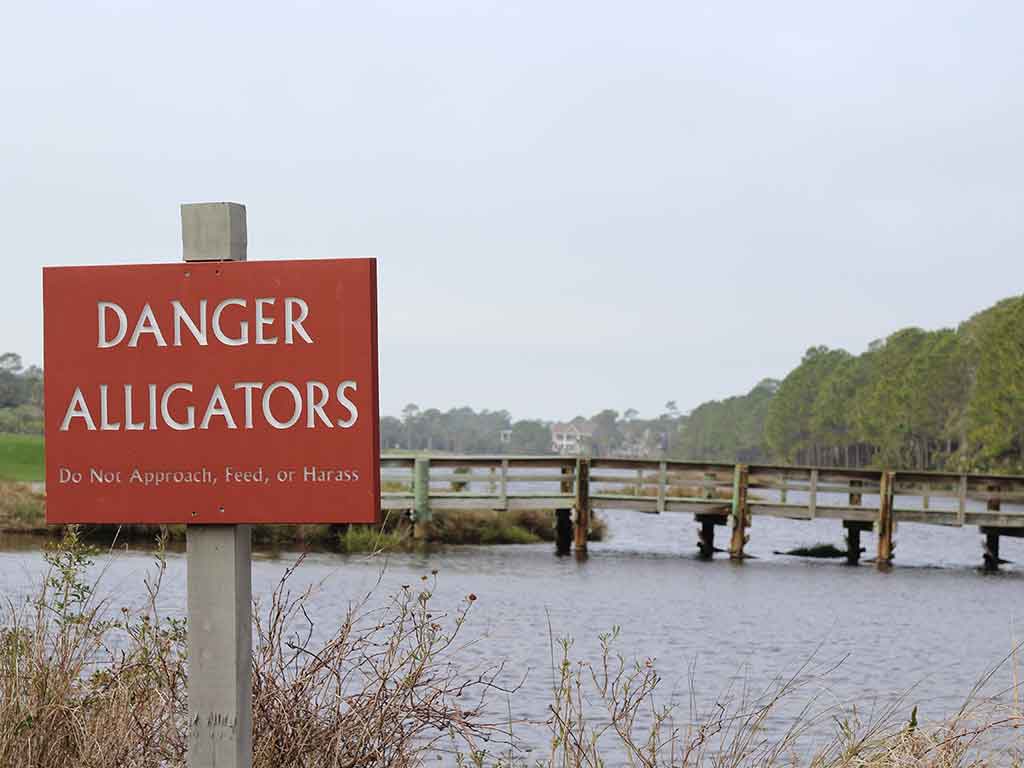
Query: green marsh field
[(21, 458)]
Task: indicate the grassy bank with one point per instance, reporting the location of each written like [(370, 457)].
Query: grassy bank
[(23, 511), (88, 683), (21, 457)]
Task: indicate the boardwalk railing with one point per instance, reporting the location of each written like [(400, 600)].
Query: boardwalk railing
[(716, 493)]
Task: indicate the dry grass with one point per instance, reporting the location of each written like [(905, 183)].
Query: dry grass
[(504, 527), (83, 684), (612, 710), (21, 508), (81, 688), (671, 491)]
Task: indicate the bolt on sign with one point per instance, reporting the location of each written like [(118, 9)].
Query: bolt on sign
[(212, 393)]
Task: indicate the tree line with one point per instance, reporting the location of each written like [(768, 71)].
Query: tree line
[(947, 399), (21, 396), (464, 430)]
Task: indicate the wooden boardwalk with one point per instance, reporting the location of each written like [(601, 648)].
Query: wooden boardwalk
[(716, 494)]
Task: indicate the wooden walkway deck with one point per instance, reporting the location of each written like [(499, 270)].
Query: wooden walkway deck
[(716, 494)]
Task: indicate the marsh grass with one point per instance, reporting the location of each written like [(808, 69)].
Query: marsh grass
[(396, 682), (671, 491), (612, 710), (84, 684), (23, 510)]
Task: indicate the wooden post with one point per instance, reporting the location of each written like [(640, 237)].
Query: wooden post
[(740, 515), (422, 514), (885, 520), (855, 496), (503, 488), (991, 553), (566, 486), (706, 537), (662, 485), (961, 510), (563, 531), (812, 496), (582, 504), (852, 544), (219, 561), (853, 529), (708, 485), (991, 550)]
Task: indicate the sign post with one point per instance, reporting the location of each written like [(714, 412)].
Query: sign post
[(219, 566), (215, 393)]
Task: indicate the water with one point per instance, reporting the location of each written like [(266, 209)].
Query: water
[(934, 621)]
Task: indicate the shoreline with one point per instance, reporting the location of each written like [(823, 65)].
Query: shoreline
[(22, 514)]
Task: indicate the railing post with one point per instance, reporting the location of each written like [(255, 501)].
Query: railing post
[(582, 504), (566, 485), (855, 496), (503, 487), (740, 516), (708, 485), (662, 485), (812, 504), (885, 518), (422, 514), (961, 510)]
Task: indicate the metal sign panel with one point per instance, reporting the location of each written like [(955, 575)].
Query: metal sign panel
[(212, 393)]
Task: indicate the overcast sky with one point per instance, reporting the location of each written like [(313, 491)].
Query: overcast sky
[(575, 205)]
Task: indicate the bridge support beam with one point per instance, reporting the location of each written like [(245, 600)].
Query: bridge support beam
[(563, 531), (853, 548)]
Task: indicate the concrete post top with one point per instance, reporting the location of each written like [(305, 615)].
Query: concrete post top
[(213, 232)]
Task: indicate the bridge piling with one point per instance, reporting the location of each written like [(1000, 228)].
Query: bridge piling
[(582, 526), (706, 537), (885, 521), (991, 550), (853, 548), (739, 518), (563, 531)]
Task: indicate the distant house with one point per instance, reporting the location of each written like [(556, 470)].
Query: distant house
[(571, 438), (505, 436), (638, 446)]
